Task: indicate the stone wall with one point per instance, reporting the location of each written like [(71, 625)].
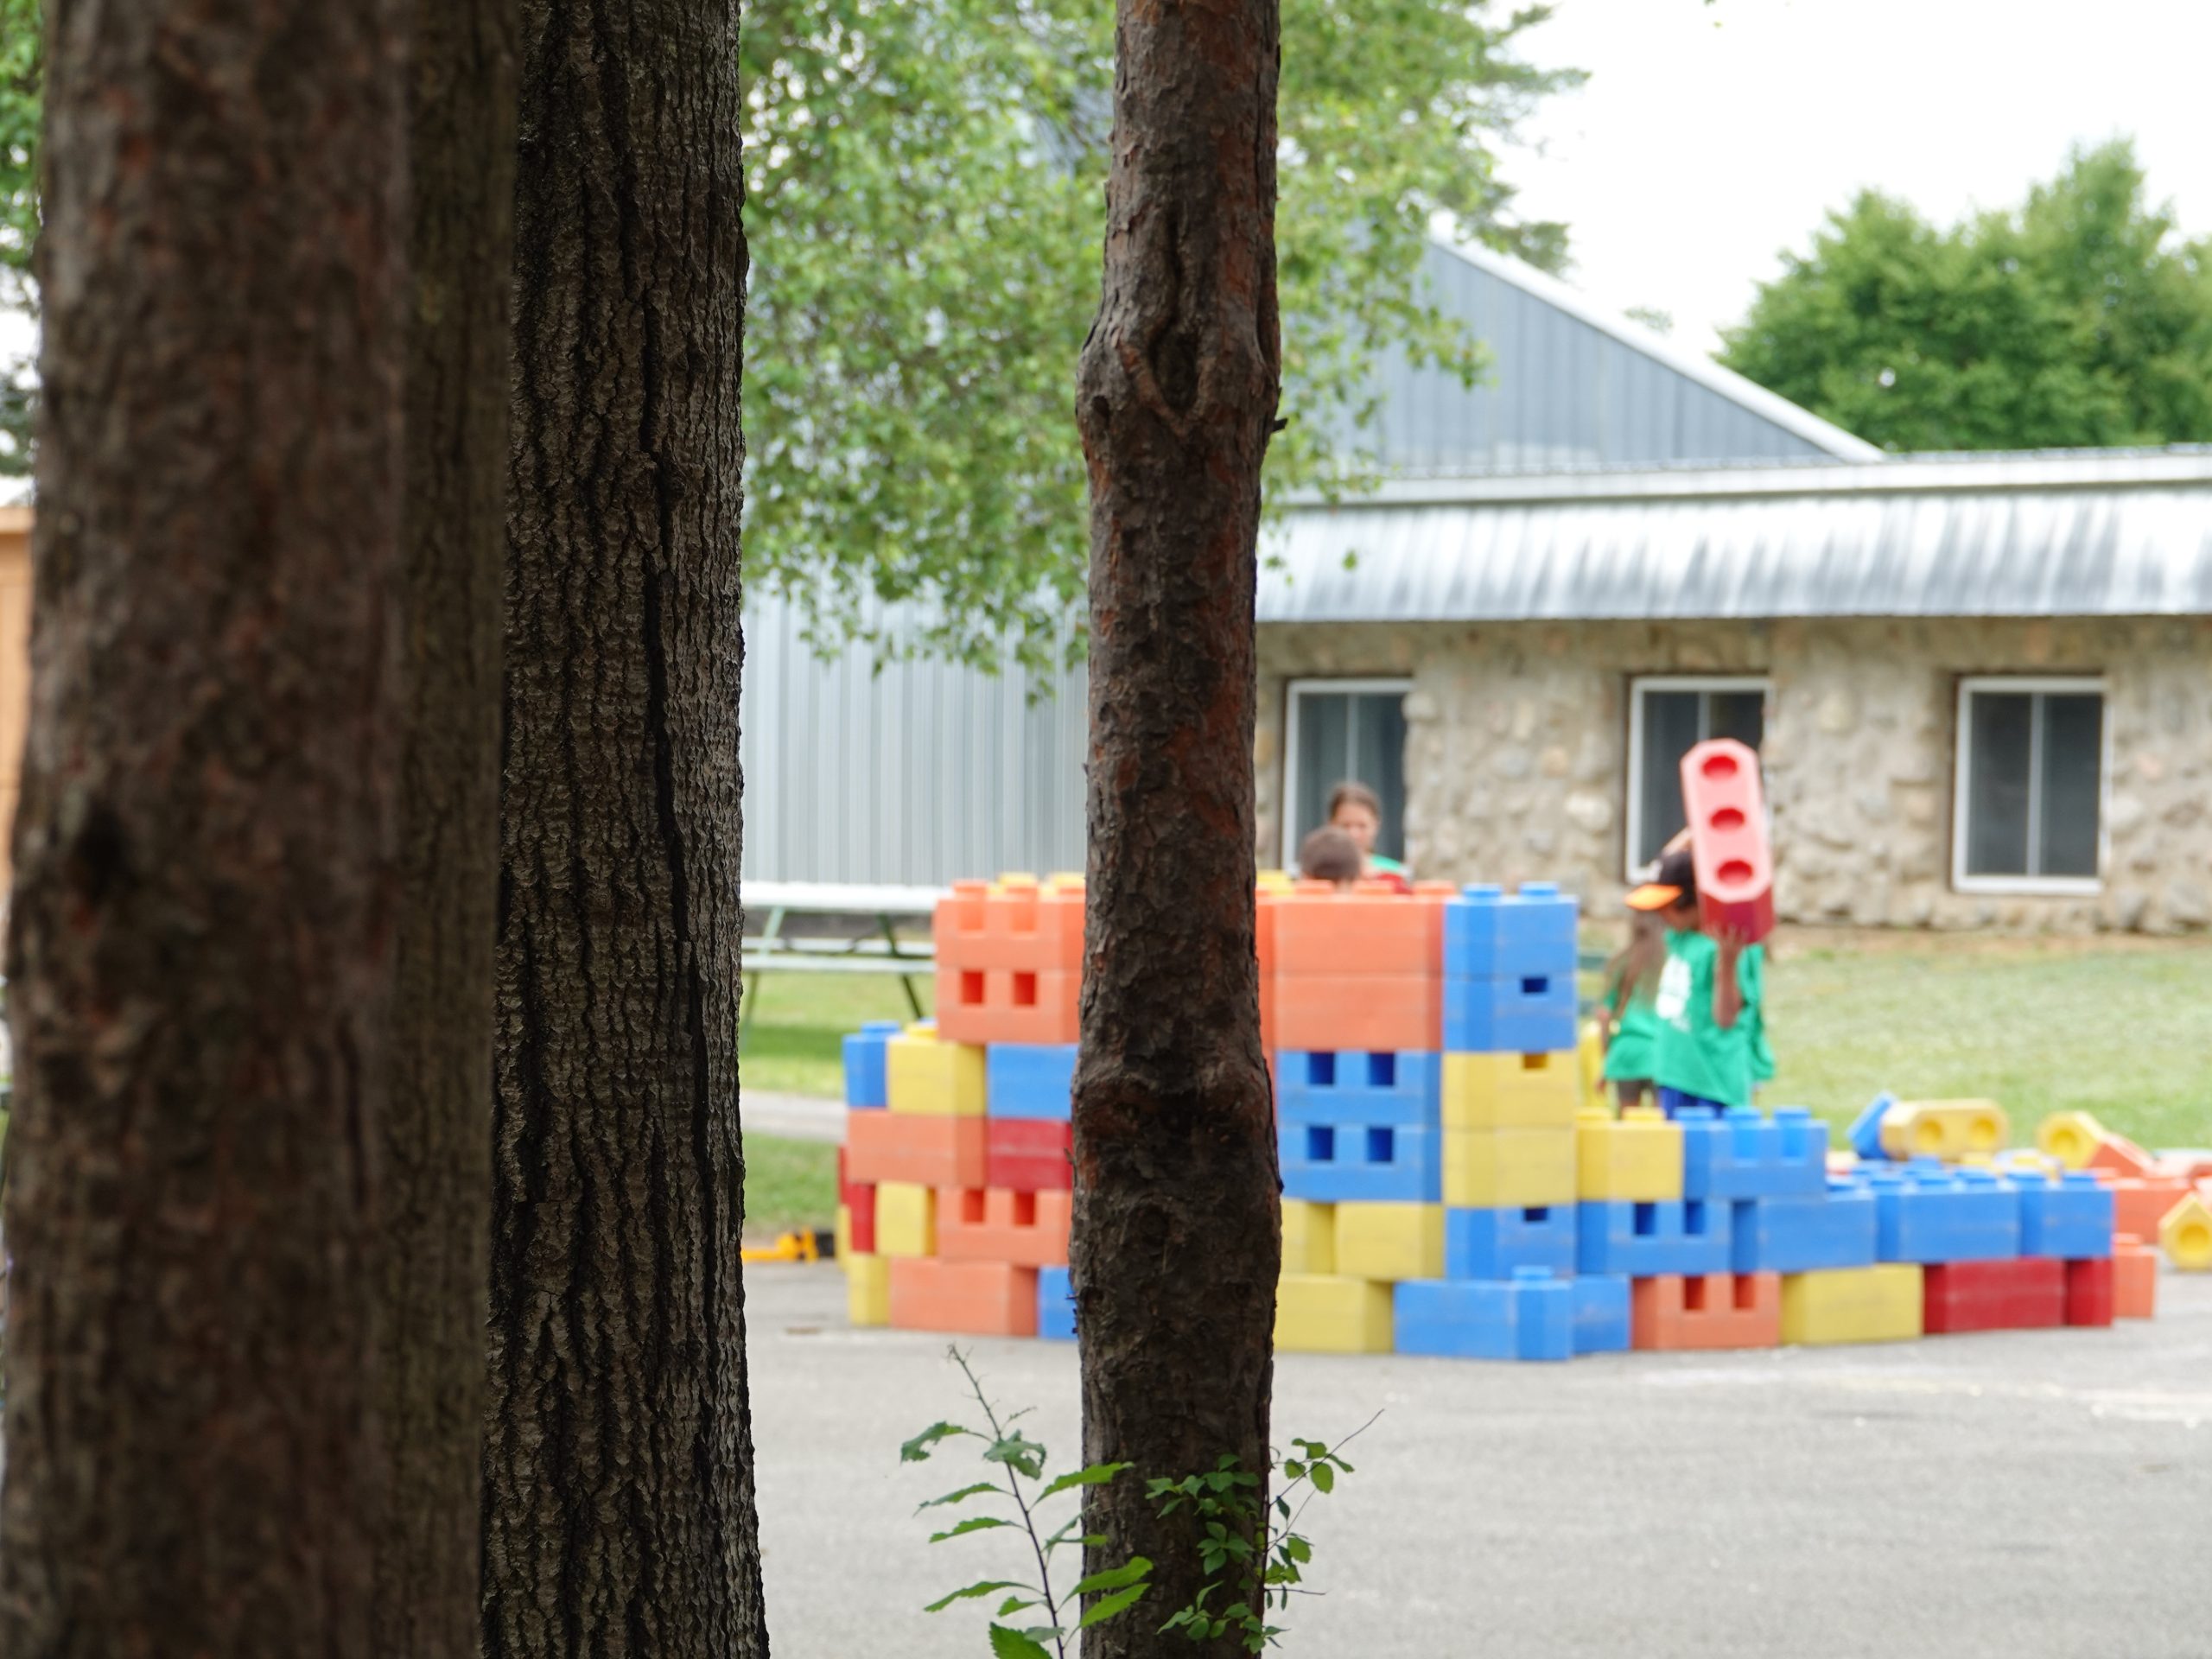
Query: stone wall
[(1517, 736)]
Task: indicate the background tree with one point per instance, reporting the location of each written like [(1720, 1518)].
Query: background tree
[(201, 938), (2081, 318), (618, 1508), (21, 49), (1178, 1235)]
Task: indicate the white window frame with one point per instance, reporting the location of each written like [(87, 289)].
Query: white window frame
[(1962, 773), (1292, 692), (1632, 816)]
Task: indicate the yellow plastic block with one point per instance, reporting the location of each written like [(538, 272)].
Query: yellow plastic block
[(1316, 1314), (1635, 1158), (905, 1219), (1512, 1091), (867, 1290), (2185, 1235), (1275, 881), (925, 1075), (1881, 1304), (2070, 1137), (1943, 1128), (1390, 1241), (844, 1234), (1590, 1056), (1309, 1236), (1503, 1169)]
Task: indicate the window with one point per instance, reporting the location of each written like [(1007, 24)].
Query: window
[(1668, 718), (1340, 730), (2029, 815)]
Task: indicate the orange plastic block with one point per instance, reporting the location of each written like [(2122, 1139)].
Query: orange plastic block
[(2123, 1157), (1718, 1310), (1726, 809), (1007, 1005), (1020, 923), (2139, 1204), (1029, 1229), (1322, 930), (925, 1151), (976, 1299), (2134, 1278), (1370, 1013)]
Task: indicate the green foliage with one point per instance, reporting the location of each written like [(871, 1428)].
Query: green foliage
[(22, 39), (924, 182), (2081, 318)]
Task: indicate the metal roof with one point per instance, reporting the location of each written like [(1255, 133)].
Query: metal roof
[(2082, 533)]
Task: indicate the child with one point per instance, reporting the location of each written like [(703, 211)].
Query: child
[(1329, 855), (1358, 810), (1627, 1014), (1708, 1001)]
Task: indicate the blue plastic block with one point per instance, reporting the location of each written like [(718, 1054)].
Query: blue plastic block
[(1740, 1154), (1529, 1316), (1689, 1238), (864, 1062), (1601, 1315), (1833, 1229), (1866, 1132), (1926, 1211), (1492, 934), (1029, 1080), (2071, 1219), (1532, 1013), (1055, 1304), (1331, 1163), (1316, 1086), (1495, 1243)]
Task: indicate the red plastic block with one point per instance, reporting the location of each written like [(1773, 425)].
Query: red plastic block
[(1006, 1005), (2090, 1291), (1370, 1013), (2023, 1293), (1719, 1310), (2123, 1157), (2139, 1204), (1029, 1154), (909, 1147), (1727, 810), (858, 1199), (985, 1224), (976, 1299), (1321, 929), (2134, 1278), (1016, 925)]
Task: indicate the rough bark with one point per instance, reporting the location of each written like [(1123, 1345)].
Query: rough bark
[(1178, 1239), (619, 1505), (201, 935), (437, 1137)]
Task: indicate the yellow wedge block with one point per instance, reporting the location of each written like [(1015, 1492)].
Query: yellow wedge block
[(1309, 1236), (1390, 1241), (2185, 1235), (1635, 1158), (1949, 1129), (1512, 1091), (905, 1219), (1880, 1304), (1317, 1314), (2070, 1137), (867, 1290), (1509, 1169), (925, 1075)]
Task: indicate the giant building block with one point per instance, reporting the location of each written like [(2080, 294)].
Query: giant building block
[(1837, 1229), (2134, 1278), (1017, 924), (1372, 1012), (1331, 1163), (1727, 810), (978, 1298), (1926, 1211), (1055, 1304), (1949, 1129), (1002, 1005), (1635, 1158), (2090, 1291), (1320, 1315), (1602, 1313), (1492, 934), (1392, 1087), (1309, 1236), (1496, 1243), (905, 1219), (1529, 1317), (1528, 1014), (867, 1290), (864, 1062), (1685, 1237), (2070, 1137), (1027, 1154), (1866, 1132), (1033, 1080), (2185, 1235), (1510, 1091), (2140, 1203), (2027, 1293), (1497, 1169), (1877, 1304), (2122, 1156), (987, 1225), (927, 1073), (925, 1151), (1741, 1154), (1672, 1313), (1390, 1241), (1369, 932), (2070, 1218), (856, 1202)]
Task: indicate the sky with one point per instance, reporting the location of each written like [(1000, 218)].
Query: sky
[(1710, 137)]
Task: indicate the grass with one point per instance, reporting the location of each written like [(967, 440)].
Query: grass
[(795, 1043), (787, 1184)]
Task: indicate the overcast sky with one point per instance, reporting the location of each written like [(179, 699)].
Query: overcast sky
[(1709, 137)]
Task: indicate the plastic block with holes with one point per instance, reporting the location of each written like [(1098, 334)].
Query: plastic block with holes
[(1390, 1241), (1328, 1086), (864, 1063), (1492, 934), (1510, 1091), (926, 1150), (867, 1290), (1333, 1163), (987, 1225), (857, 1201), (2090, 1291), (1525, 1013), (1740, 1153), (1027, 1154), (1321, 931), (1927, 1211), (1673, 1314), (1685, 1236), (2070, 1137), (2025, 1293), (1017, 923), (2070, 1217), (2185, 1235), (1849, 1305), (1836, 1228), (1371, 1013), (2140, 1203), (1496, 1243), (1727, 810), (2134, 1278), (1318, 1313), (1603, 1320), (1030, 1080), (1949, 1129), (1309, 1236), (1001, 1004), (976, 1299), (929, 1074), (905, 1219), (1498, 1169), (1055, 1304), (1636, 1157), (1528, 1317)]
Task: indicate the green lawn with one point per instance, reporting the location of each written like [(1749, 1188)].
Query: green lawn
[(787, 1184), (793, 1045)]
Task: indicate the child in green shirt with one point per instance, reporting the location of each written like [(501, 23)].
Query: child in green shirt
[(1629, 1017), (1708, 1003)]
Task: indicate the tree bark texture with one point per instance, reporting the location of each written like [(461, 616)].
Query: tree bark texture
[(437, 1137), (201, 936), (1178, 1239), (618, 1499)]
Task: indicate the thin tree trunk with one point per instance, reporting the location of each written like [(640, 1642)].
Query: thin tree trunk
[(1176, 1241), (619, 1506), (437, 1139), (203, 917)]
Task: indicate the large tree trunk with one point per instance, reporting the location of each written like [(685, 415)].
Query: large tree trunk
[(203, 917), (437, 1139), (619, 1508), (1177, 1239)]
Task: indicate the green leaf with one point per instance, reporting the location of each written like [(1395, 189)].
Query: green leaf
[(1292, 1469), (1097, 1475), (917, 1449), (1130, 1571), (1325, 1478), (1120, 1602), (962, 1495), (1013, 1604), (973, 1523), (1016, 1644), (990, 1586), (1297, 1548), (1019, 1452)]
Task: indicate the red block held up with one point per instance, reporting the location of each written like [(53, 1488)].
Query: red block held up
[(1727, 810)]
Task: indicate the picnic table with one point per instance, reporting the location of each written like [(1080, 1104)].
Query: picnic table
[(878, 951)]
